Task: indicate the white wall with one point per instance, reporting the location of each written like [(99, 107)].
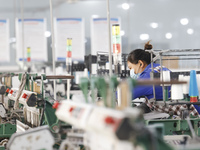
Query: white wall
[(135, 21)]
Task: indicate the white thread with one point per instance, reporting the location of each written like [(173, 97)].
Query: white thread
[(176, 92), (166, 77), (186, 86)]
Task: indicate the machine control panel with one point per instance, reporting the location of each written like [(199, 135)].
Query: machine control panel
[(108, 120), (104, 121), (29, 98), (74, 113), (26, 98), (12, 95)]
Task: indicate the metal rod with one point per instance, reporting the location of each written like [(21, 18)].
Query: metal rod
[(183, 102), (14, 12), (152, 76), (56, 77), (158, 82), (181, 55), (47, 77), (8, 75), (163, 88), (22, 29), (158, 52), (191, 127), (128, 27), (182, 59), (68, 89), (109, 38), (53, 45), (177, 50)]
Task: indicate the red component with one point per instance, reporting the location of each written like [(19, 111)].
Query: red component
[(71, 109), (7, 90), (11, 91), (193, 99), (55, 105), (24, 95), (69, 54), (28, 59), (109, 120), (116, 48)]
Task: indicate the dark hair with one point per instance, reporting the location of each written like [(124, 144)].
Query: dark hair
[(140, 54), (148, 46)]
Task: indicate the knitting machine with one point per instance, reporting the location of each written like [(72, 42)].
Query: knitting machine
[(7, 125), (178, 113), (183, 125), (109, 126), (108, 129), (116, 125), (28, 107)]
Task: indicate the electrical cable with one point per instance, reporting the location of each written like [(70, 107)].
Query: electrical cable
[(43, 110)]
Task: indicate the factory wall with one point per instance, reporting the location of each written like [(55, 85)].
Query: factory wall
[(134, 21)]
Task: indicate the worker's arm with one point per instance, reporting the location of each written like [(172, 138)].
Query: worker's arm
[(139, 91)]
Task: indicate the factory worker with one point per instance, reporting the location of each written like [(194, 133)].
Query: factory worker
[(139, 63)]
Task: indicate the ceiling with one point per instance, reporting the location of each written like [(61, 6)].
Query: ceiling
[(135, 21)]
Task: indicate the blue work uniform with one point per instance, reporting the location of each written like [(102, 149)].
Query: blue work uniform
[(147, 91)]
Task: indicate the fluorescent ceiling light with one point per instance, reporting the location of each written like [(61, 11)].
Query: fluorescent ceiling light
[(190, 31), (125, 6), (168, 35), (184, 21), (144, 37), (154, 25), (95, 16)]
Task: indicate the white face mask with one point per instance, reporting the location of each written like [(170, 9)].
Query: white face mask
[(133, 75)]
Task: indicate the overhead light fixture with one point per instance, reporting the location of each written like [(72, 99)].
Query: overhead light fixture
[(122, 32), (125, 6), (154, 25), (168, 35), (47, 34), (95, 16), (190, 31), (144, 37), (184, 21)]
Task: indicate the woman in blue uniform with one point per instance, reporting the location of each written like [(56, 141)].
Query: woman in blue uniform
[(139, 63)]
